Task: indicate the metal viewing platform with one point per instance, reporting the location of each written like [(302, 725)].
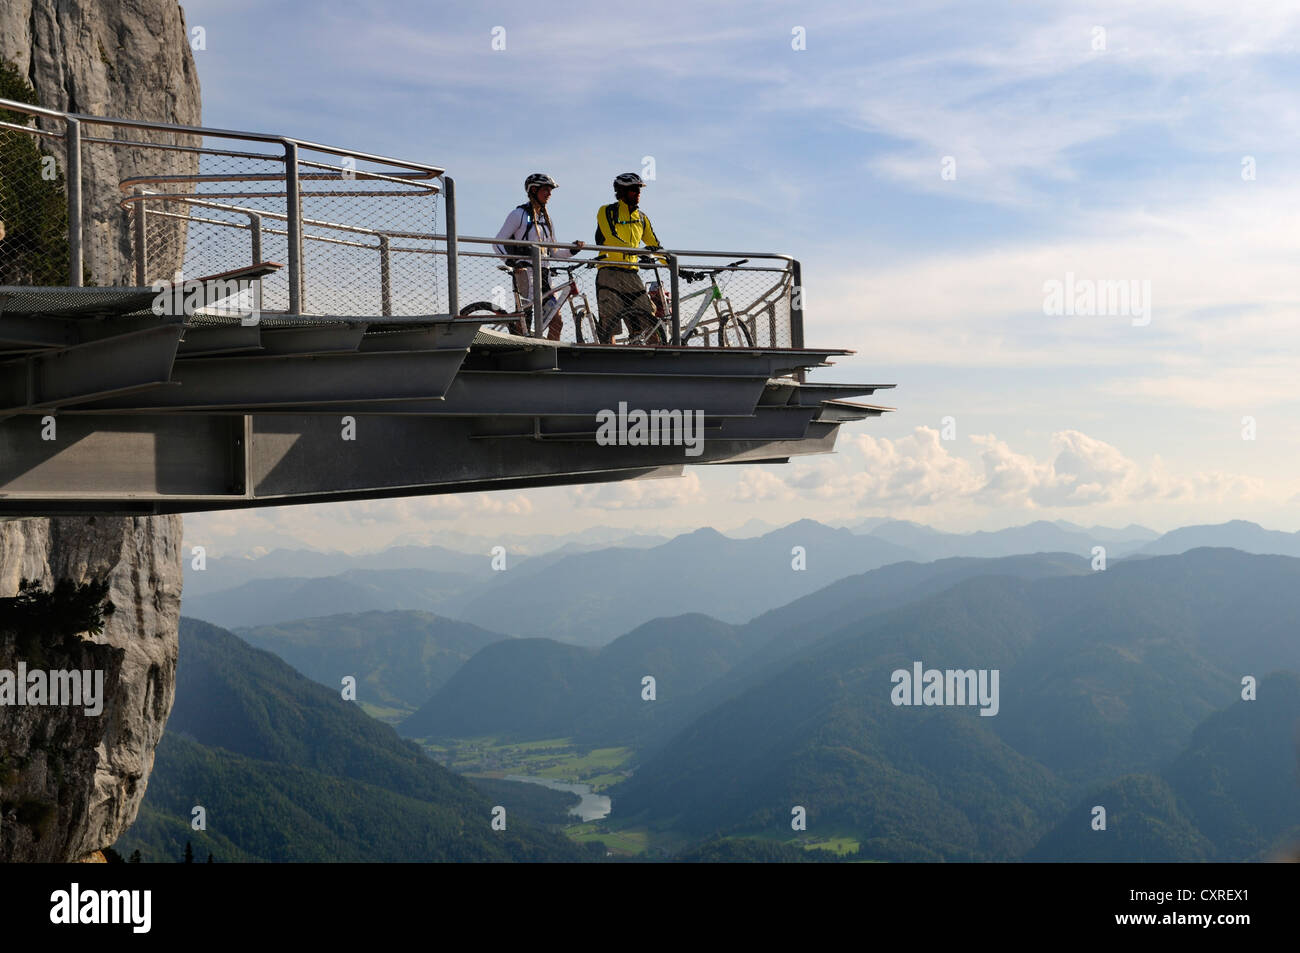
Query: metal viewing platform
[(200, 319)]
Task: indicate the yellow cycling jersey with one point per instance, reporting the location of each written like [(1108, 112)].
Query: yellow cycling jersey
[(616, 224)]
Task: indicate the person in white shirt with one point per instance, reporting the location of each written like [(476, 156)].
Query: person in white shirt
[(532, 222)]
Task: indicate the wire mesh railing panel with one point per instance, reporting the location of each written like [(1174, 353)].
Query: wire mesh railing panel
[(33, 205), (338, 234), (720, 305), (750, 306), (228, 214), (113, 155), (367, 238)]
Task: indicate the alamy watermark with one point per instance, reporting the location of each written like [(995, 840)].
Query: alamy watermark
[(651, 428), (57, 687), (1128, 298), (953, 686), (126, 907), (241, 298)]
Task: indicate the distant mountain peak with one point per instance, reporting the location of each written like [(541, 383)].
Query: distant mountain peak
[(911, 524), (703, 533), (803, 526)]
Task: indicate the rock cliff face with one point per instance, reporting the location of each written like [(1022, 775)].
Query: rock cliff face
[(128, 58), (71, 783)]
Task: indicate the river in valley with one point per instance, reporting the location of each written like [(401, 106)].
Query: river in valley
[(592, 807)]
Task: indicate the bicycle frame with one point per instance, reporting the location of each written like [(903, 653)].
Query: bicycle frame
[(553, 299), (712, 296)]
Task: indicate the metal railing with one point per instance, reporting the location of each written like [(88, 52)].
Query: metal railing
[(357, 233), (762, 294), (321, 195)]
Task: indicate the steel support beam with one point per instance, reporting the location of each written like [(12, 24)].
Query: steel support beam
[(240, 383), (193, 463), (407, 384), (220, 339), (619, 359), (88, 371), (26, 331), (438, 336), (295, 454), (119, 459), (304, 341), (812, 395)]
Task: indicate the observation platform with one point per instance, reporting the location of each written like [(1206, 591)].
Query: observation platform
[(150, 393)]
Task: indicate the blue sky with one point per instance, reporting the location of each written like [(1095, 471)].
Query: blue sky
[(1105, 140)]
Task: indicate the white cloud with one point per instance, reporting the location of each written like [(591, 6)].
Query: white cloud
[(917, 469), (921, 470), (1114, 166), (759, 485), (1223, 329)]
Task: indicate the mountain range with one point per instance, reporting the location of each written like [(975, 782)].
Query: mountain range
[(398, 658), (1120, 688), (286, 770), (590, 597), (540, 688), (1102, 675)]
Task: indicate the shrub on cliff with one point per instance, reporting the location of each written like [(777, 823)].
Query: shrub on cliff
[(33, 203), (69, 609)]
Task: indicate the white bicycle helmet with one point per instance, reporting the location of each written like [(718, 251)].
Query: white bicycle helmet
[(539, 180)]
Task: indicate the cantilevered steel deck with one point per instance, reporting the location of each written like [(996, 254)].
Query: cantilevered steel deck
[(108, 405)]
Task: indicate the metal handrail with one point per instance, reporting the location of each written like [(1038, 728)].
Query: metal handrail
[(31, 110), (292, 177), (623, 249), (385, 249), (672, 257)]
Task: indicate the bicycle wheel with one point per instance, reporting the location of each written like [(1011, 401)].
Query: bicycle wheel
[(652, 334), (582, 316), (510, 325), (733, 332)]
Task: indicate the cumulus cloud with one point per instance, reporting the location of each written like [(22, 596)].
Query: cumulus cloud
[(922, 470), (757, 485)]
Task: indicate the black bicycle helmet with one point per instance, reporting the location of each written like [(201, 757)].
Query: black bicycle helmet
[(627, 180)]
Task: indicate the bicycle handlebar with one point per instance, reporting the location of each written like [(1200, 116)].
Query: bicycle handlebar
[(556, 269), (701, 274)]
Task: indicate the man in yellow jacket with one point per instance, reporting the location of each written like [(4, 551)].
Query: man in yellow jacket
[(620, 294)]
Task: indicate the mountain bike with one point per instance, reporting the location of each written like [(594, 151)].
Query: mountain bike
[(519, 321), (731, 330)]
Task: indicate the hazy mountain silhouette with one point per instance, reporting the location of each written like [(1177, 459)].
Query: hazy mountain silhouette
[(272, 601), (398, 658), (1038, 537), (227, 572), (829, 613), (1237, 534), (539, 688), (591, 598)]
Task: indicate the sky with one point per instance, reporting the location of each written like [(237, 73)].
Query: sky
[(936, 167)]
